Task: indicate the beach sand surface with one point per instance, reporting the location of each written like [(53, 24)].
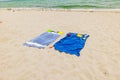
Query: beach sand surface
[(99, 60)]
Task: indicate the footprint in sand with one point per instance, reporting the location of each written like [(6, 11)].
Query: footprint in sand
[(0, 21)]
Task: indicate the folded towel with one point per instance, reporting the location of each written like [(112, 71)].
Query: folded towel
[(43, 40), (72, 43)]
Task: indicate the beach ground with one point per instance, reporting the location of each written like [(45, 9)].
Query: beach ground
[(99, 60)]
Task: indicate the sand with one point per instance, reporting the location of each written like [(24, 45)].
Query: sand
[(99, 60)]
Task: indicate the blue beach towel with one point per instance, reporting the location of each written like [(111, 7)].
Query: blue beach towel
[(72, 43), (43, 40)]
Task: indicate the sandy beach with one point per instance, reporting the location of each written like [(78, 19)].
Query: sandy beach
[(99, 60)]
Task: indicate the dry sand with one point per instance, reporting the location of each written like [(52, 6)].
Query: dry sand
[(99, 60)]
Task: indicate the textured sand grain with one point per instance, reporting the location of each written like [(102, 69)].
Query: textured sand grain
[(99, 60)]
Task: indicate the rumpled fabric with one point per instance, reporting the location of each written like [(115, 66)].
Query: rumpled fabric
[(72, 43)]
